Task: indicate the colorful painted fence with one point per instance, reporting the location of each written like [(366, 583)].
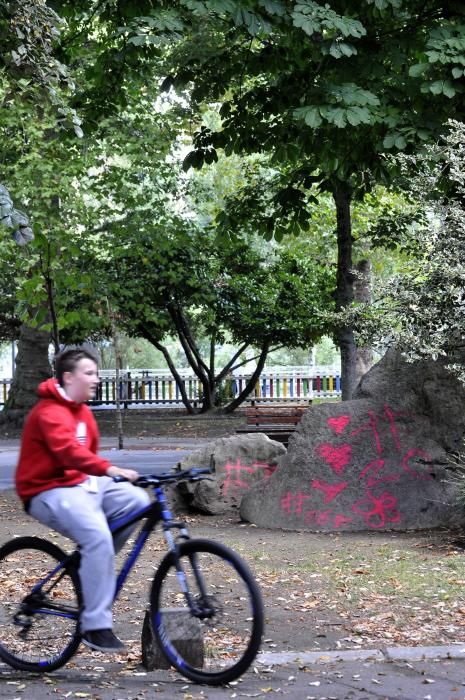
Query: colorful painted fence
[(162, 389)]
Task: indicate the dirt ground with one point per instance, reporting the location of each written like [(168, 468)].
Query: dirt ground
[(169, 423), (321, 591)]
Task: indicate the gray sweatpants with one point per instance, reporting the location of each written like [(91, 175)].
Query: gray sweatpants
[(84, 517)]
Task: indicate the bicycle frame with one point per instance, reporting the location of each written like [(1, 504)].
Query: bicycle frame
[(157, 511)]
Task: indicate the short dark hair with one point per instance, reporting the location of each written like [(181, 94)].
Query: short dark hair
[(67, 361)]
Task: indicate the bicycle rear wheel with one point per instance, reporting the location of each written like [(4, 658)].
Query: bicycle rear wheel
[(39, 622), (215, 638)]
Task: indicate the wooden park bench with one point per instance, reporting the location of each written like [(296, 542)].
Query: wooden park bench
[(276, 421)]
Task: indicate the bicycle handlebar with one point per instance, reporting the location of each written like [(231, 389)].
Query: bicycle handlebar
[(146, 480)]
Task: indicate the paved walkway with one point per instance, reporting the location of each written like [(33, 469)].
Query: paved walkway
[(151, 455), (432, 673), (147, 443)]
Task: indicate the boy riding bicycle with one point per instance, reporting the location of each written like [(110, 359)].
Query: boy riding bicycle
[(65, 485)]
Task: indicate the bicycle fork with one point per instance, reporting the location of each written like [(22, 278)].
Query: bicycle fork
[(199, 607)]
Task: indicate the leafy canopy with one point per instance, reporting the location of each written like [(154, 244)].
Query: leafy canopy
[(421, 309), (333, 86)]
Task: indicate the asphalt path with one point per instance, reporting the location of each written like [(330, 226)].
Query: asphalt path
[(145, 461)]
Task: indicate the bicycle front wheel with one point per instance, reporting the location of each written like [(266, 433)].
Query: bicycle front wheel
[(207, 612), (40, 602)]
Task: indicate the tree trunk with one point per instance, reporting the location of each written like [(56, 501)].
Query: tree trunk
[(118, 365), (192, 353), (362, 293), (146, 333), (32, 367), (345, 287)]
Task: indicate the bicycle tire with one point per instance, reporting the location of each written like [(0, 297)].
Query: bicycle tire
[(230, 638), (44, 639)]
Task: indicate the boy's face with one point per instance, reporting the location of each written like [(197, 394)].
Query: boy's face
[(81, 383)]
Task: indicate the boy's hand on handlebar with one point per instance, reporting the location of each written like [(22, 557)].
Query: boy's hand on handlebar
[(129, 474)]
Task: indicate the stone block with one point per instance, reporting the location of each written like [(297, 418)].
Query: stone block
[(240, 461), (185, 633)]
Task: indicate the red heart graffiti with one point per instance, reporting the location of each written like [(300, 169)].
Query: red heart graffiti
[(337, 457), (338, 424), (330, 490)]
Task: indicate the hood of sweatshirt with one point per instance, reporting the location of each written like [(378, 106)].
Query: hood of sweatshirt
[(50, 389)]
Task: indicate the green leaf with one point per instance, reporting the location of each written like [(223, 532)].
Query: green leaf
[(337, 116), (345, 25), (389, 140), (338, 49), (433, 56), (423, 134), (254, 22), (310, 115), (358, 115), (41, 315), (280, 154), (333, 164), (227, 6), (309, 25), (448, 89), (418, 69), (274, 7), (194, 159), (457, 72), (347, 49), (352, 94), (384, 4), (139, 40), (444, 87), (210, 156), (437, 87)]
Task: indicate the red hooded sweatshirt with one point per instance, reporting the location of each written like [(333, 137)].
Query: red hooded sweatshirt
[(59, 444)]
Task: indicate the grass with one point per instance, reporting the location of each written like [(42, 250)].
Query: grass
[(407, 573), (405, 592)]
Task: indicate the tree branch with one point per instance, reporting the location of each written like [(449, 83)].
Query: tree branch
[(190, 356), (179, 381), (252, 381), (229, 365), (190, 339), (256, 357)]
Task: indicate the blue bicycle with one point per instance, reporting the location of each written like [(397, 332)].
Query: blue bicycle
[(200, 588)]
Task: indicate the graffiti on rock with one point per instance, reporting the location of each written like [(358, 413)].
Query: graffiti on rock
[(377, 512), (293, 503), (337, 457), (236, 481), (339, 424), (330, 490), (376, 509)]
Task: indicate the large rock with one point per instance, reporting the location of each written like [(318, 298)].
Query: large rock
[(380, 461), (240, 462)]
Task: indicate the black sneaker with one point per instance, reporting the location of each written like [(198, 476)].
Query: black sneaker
[(102, 640)]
